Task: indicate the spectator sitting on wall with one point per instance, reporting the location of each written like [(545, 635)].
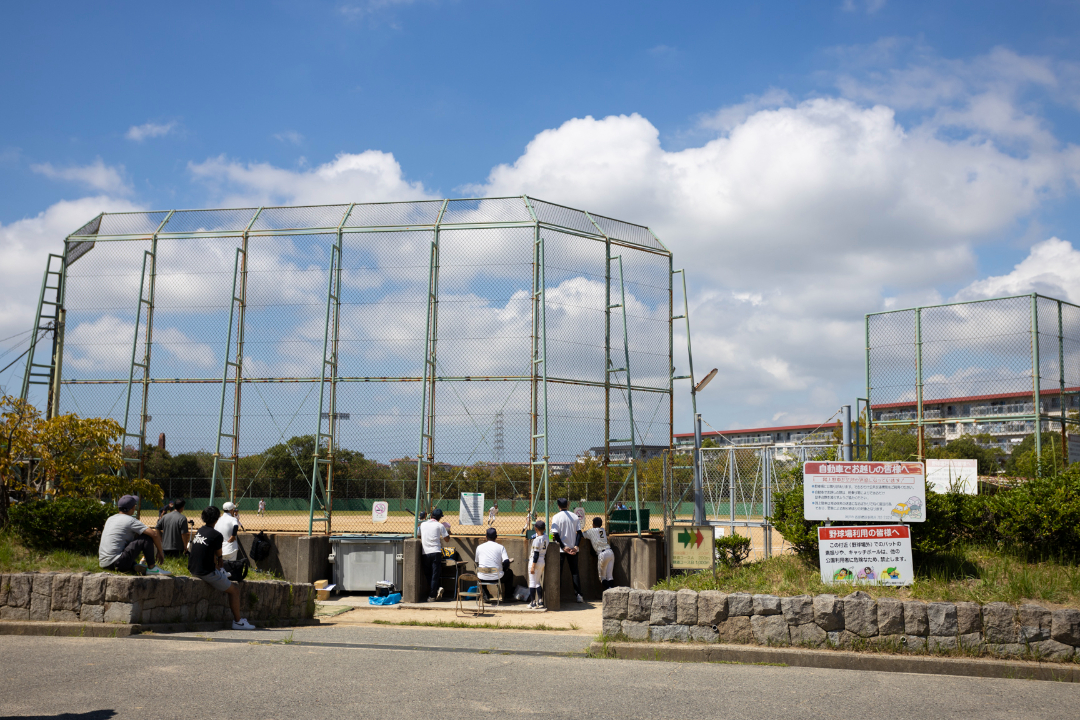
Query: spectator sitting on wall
[(206, 560), (173, 527), (432, 535), (124, 539), (491, 556), (228, 526)]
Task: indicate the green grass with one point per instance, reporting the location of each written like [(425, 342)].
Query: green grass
[(16, 557), (969, 574), (472, 626)]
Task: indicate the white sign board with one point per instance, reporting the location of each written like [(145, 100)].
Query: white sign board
[(380, 510), (471, 509), (873, 491), (945, 475), (876, 554)]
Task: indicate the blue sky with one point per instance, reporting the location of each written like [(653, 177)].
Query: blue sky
[(788, 153)]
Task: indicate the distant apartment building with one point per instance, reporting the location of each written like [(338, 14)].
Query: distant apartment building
[(951, 418)]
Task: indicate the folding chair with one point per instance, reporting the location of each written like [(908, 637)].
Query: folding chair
[(497, 583), (464, 582)]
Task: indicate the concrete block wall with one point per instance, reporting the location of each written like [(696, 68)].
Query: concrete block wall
[(856, 620), (111, 598), (637, 564)]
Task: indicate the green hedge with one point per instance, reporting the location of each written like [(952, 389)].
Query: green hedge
[(1038, 518), (61, 524)]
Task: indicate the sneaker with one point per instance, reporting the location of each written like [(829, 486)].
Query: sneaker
[(242, 624), (580, 599), (533, 605), (138, 569), (438, 595), (158, 571), (431, 599)]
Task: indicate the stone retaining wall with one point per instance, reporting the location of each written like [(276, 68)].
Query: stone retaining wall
[(110, 598), (854, 621)]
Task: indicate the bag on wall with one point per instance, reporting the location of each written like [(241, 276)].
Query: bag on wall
[(260, 547)]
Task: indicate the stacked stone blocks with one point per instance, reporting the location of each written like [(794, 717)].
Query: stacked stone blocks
[(854, 621), (149, 600)]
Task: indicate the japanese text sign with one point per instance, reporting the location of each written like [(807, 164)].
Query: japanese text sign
[(877, 554), (874, 491)]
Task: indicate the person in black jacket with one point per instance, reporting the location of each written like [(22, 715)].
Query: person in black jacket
[(205, 562)]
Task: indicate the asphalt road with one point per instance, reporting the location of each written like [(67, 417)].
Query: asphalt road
[(246, 677)]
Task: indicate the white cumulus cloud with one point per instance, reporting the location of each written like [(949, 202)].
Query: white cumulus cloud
[(368, 176), (96, 176), (138, 133)]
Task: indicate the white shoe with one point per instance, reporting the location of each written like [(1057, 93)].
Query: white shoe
[(242, 624), (438, 595), (580, 599)]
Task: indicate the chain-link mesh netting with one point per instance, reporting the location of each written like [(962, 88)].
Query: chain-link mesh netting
[(973, 363), (492, 326), (740, 484)]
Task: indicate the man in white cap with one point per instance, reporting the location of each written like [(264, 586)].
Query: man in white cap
[(124, 539), (228, 526)]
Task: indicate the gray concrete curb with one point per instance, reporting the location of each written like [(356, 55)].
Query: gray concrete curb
[(110, 630), (841, 660)]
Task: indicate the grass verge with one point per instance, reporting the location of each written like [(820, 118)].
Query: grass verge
[(968, 574), (16, 557), (473, 626)]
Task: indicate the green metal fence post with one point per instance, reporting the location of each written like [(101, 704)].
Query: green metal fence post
[(1061, 386), (919, 383), (1036, 372)]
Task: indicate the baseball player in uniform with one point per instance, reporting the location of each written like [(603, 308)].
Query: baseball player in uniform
[(536, 566), (605, 558)]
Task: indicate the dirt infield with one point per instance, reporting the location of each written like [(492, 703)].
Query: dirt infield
[(508, 525)]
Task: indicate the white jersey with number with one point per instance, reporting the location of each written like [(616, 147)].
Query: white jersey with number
[(598, 538)]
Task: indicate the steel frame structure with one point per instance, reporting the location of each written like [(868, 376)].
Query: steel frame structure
[(1063, 362), (248, 225)]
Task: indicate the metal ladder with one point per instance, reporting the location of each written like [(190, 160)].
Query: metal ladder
[(539, 449), (425, 457), (38, 373), (236, 313), (632, 472), (146, 302)]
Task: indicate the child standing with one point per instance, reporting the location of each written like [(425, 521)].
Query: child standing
[(536, 566), (605, 558)]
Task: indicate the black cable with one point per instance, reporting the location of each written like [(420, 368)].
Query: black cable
[(23, 353)]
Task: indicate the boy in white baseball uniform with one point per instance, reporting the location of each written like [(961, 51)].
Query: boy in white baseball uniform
[(566, 531), (605, 558), (536, 566)]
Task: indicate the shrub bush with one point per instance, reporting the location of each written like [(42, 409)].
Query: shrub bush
[(732, 550), (62, 524), (1039, 517)]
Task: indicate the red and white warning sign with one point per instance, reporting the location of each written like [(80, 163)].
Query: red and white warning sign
[(874, 491), (877, 554)]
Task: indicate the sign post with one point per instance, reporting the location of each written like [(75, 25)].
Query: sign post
[(691, 547), (867, 491), (874, 554)]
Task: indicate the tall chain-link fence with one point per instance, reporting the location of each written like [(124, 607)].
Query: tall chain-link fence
[(740, 485), (992, 369), (320, 354)]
